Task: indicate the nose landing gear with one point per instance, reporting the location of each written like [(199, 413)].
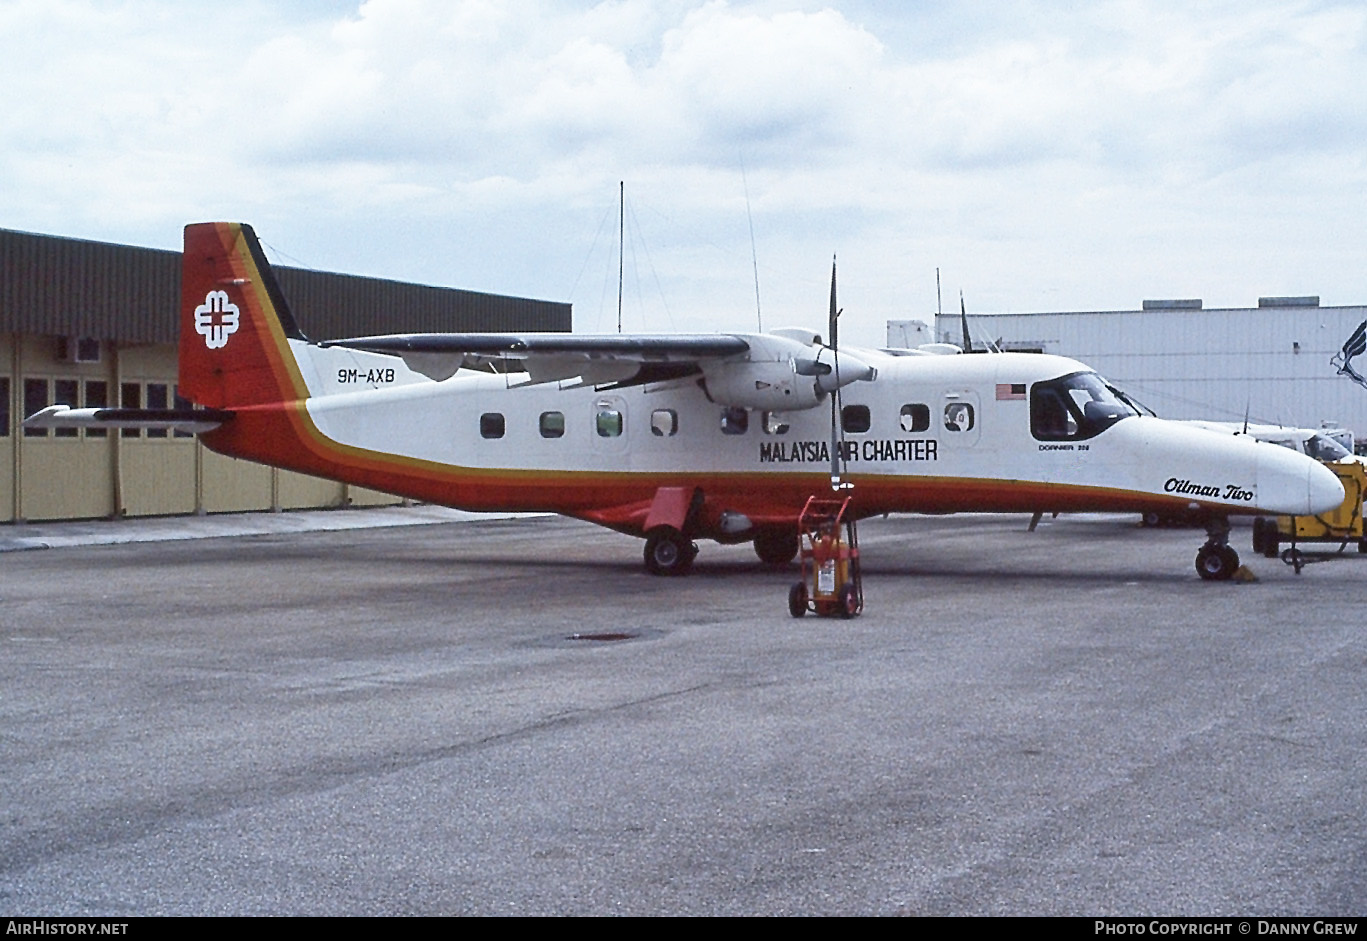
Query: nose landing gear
[(1217, 561)]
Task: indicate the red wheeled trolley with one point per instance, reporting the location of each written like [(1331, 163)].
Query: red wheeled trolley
[(831, 581)]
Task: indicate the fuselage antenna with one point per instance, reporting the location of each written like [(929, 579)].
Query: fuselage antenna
[(621, 244), (754, 255)]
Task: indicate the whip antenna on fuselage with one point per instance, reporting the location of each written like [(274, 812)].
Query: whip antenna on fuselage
[(754, 255)]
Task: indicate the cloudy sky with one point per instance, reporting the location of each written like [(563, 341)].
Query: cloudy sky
[(1043, 155)]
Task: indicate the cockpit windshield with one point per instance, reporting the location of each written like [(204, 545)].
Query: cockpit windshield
[(1324, 448), (1075, 407)]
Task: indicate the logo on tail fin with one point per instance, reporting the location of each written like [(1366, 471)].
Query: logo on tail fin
[(216, 319)]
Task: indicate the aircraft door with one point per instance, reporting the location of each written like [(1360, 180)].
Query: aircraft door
[(961, 418)]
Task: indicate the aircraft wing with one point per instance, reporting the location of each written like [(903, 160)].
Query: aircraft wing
[(622, 360)]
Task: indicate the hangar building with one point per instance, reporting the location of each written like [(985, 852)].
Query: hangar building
[(1287, 361), (92, 324)]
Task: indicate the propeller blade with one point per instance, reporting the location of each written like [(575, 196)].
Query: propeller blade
[(834, 312)]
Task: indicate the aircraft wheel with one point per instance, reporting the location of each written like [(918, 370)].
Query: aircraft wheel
[(849, 601), (669, 553), (776, 546), (1272, 540), (1216, 563), (1362, 545), (797, 600), (1258, 524), (1151, 518)]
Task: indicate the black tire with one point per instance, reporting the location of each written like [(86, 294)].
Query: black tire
[(667, 552), (1216, 563), (1362, 545), (797, 600), (1272, 540), (776, 546), (849, 601), (1258, 524)]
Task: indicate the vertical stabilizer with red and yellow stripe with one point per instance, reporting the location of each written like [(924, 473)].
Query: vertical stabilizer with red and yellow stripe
[(235, 325)]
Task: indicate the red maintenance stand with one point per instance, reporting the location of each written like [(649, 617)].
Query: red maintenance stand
[(831, 582)]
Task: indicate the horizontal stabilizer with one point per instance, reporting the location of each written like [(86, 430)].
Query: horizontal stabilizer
[(171, 419)]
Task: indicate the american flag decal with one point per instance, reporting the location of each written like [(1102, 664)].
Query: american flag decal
[(1010, 391)]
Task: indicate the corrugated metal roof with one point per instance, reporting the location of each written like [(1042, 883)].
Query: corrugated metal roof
[(71, 287)]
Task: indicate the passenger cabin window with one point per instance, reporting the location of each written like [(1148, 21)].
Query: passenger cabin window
[(734, 421), (855, 419), (774, 424), (552, 424), (608, 422), (959, 417), (915, 418), (1075, 407), (664, 423), (491, 425)]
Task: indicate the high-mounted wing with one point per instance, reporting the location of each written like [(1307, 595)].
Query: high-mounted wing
[(549, 357), (785, 370)]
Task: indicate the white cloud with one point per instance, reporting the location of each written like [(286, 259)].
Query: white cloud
[(1043, 155)]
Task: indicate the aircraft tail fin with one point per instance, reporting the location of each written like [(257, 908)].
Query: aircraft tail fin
[(235, 326)]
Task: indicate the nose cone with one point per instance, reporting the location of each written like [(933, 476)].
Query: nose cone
[(847, 369), (1294, 484), (1324, 490)]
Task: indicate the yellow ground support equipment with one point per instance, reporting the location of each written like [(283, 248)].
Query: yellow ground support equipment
[(1342, 525)]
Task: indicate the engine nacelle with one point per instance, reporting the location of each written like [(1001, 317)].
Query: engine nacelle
[(772, 386)]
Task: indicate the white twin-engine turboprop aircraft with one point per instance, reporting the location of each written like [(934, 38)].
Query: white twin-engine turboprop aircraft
[(678, 438)]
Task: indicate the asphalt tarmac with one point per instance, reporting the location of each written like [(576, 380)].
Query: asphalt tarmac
[(417, 720)]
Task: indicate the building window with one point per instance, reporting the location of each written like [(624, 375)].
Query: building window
[(915, 418), (855, 419), (491, 425), (158, 396), (181, 405), (96, 396), (35, 400), (66, 392), (664, 423), (608, 422), (130, 396), (552, 424), (4, 406), (734, 421)]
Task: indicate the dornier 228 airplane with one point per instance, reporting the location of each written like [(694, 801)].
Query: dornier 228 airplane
[(679, 438)]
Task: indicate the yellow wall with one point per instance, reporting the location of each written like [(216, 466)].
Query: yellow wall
[(86, 476)]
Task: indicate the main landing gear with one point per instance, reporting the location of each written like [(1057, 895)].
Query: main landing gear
[(669, 552), (1217, 561), (776, 546)]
